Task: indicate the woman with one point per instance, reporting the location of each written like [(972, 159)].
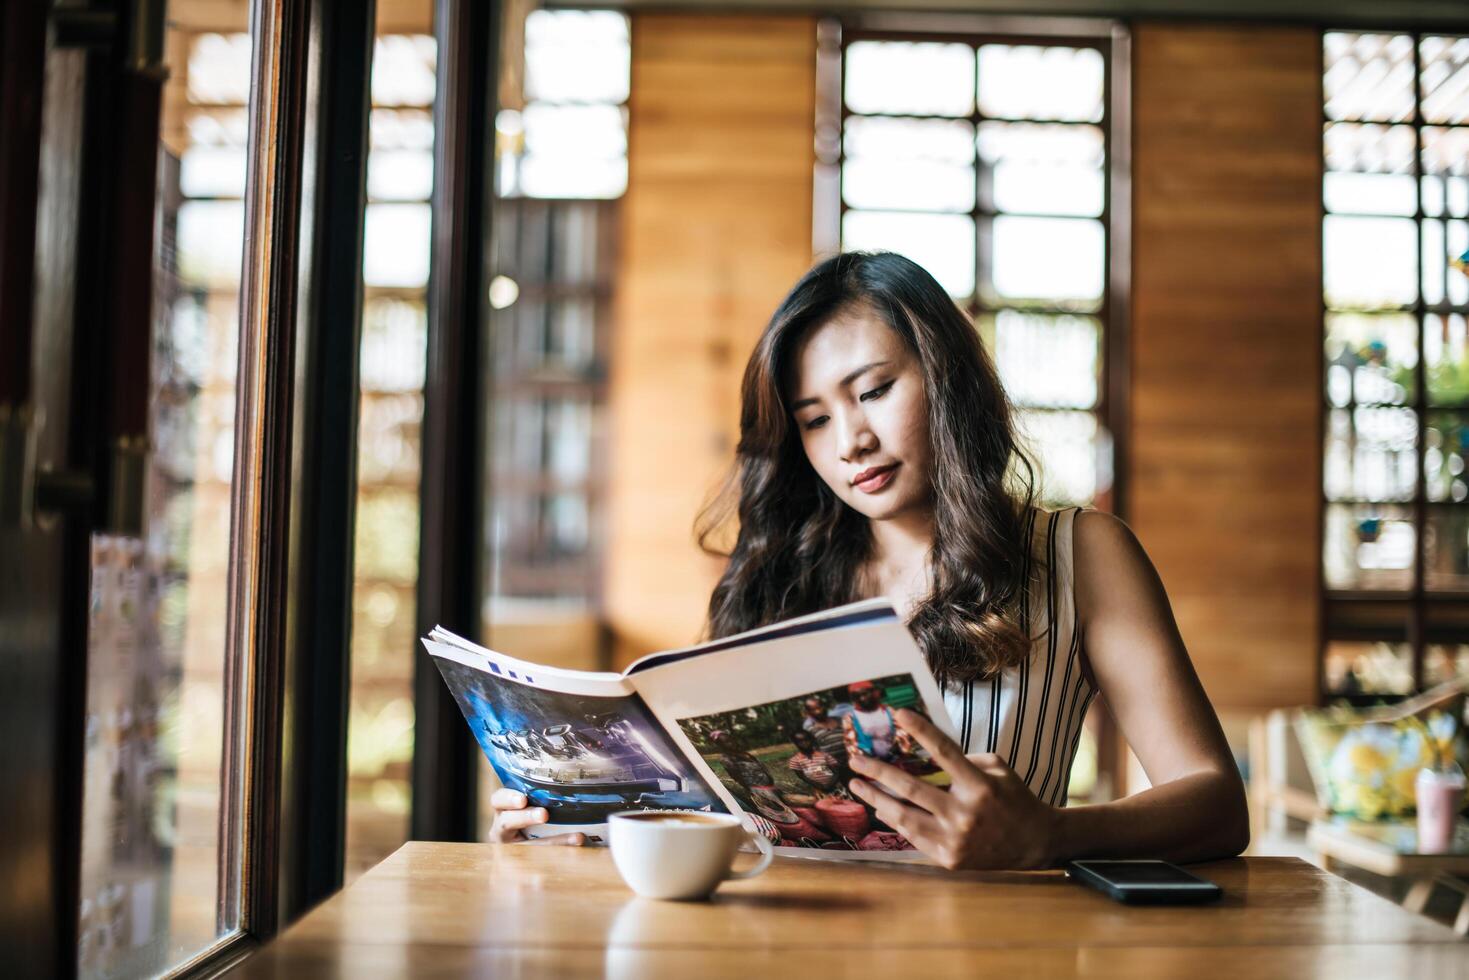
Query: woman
[(878, 457)]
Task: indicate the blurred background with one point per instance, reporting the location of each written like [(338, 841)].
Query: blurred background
[(1220, 265)]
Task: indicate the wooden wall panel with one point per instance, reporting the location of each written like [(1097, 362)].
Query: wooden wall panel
[(1225, 469), (716, 226)]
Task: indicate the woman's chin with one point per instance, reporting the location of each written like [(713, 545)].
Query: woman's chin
[(880, 507)]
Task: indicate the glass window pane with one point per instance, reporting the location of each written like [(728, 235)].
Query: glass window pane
[(1028, 82), (200, 127), (400, 175), (940, 140), (1045, 169), (568, 177), (1444, 662), (219, 66), (1444, 79), (394, 341), (577, 56), (1445, 243), (909, 164), (1446, 549), (1354, 668), (1434, 193), (403, 70), (1046, 361), (1047, 261), (1369, 148), (1445, 452), (396, 245), (1457, 254), (1064, 446), (1435, 262), (1369, 546), (597, 132), (401, 129), (387, 534), (571, 338), (574, 151), (565, 518), (1370, 358), (941, 243), (1446, 151), (575, 256), (1370, 262), (157, 778), (1447, 353), (389, 445), (1369, 77), (903, 78), (212, 171), (210, 236), (1371, 193), (568, 440), (1371, 454), (913, 185), (388, 438), (1446, 172)]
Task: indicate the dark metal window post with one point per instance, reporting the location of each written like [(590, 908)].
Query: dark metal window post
[(452, 489)]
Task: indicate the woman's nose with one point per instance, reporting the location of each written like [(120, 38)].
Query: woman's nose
[(857, 437)]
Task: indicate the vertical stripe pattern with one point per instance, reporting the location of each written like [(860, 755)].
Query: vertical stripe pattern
[(1031, 715)]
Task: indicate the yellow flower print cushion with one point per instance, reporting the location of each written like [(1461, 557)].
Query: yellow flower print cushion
[(1364, 768)]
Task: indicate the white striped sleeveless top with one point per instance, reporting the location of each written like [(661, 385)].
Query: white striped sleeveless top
[(1031, 714)]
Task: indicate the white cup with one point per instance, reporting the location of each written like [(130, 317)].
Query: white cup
[(673, 854)]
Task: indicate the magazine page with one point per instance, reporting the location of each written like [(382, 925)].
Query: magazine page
[(582, 745), (774, 718)]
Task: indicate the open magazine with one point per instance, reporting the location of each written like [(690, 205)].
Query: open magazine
[(761, 724)]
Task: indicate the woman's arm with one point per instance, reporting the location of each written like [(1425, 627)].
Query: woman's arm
[(1196, 806), (990, 818)]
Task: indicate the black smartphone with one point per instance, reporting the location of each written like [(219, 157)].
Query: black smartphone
[(1144, 882)]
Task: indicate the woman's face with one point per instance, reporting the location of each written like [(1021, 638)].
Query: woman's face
[(862, 412)]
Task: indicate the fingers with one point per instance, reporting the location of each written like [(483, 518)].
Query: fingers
[(506, 798), (902, 784), (906, 819), (561, 840), (943, 748), (509, 823)]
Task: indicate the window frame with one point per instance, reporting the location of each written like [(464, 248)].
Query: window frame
[(1417, 616), (1112, 40), (279, 788)]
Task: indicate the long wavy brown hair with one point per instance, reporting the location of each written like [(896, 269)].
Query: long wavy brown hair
[(800, 549)]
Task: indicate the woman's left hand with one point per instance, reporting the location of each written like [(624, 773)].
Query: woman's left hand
[(988, 819)]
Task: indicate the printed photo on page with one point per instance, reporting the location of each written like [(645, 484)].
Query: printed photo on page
[(786, 761)]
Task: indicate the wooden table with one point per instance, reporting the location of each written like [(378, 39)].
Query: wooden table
[(1390, 848), (524, 911)]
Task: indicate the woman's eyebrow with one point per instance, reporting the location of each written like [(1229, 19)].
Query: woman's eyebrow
[(801, 403)]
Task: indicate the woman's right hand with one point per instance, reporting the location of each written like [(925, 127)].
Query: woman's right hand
[(513, 813)]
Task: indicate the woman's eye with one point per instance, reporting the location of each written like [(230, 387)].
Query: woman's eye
[(815, 423), (877, 392)]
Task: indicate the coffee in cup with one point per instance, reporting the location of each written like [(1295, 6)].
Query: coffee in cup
[(678, 854)]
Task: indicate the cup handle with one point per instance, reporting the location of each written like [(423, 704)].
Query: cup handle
[(767, 854)]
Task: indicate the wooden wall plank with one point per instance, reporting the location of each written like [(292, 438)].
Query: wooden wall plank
[(1225, 468), (716, 226)]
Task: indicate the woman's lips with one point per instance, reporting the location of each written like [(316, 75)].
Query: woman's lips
[(876, 478)]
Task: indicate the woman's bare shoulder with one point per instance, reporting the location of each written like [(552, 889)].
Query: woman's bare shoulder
[(1112, 567), (1102, 533)]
